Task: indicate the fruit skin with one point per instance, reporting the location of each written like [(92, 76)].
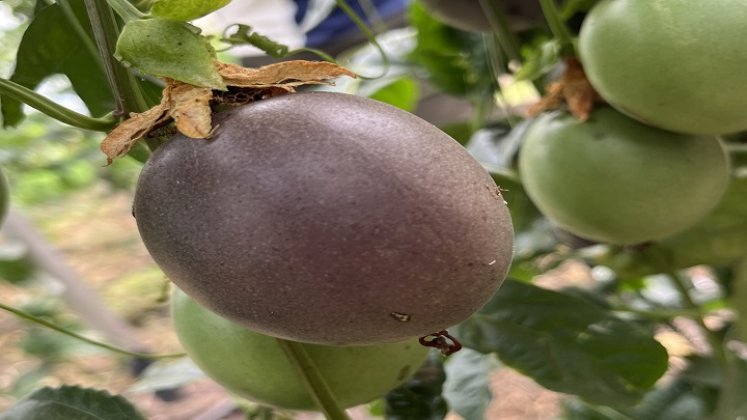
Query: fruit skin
[(615, 180), (254, 366), (468, 15), (678, 65), (326, 218)]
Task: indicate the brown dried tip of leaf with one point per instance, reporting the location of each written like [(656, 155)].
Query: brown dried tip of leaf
[(285, 75), (119, 142), (572, 89)]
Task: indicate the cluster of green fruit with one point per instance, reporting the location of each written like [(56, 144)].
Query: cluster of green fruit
[(328, 219), (651, 165)]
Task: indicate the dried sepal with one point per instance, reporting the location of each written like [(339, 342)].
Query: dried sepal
[(189, 106), (572, 89), (120, 140)]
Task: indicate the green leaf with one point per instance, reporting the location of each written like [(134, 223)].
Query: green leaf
[(72, 403), (456, 61), (186, 10), (420, 397), (402, 92), (540, 60), (57, 42), (719, 239), (467, 386), (566, 344), (168, 48)]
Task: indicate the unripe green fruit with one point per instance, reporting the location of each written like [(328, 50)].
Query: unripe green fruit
[(254, 366), (675, 64), (615, 180)]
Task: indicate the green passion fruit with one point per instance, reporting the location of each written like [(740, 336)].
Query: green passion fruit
[(678, 65), (254, 366), (612, 179), (326, 218)]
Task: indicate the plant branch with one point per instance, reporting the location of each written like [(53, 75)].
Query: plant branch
[(557, 26), (54, 110), (315, 383), (46, 324), (122, 83)]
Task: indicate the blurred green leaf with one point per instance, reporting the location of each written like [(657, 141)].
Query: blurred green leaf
[(420, 397), (456, 61), (58, 43), (72, 403), (566, 344), (467, 386), (402, 92)]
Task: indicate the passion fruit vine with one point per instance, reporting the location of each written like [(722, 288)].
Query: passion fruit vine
[(326, 218)]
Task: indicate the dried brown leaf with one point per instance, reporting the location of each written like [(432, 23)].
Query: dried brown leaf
[(286, 74), (573, 89), (120, 140), (189, 106)]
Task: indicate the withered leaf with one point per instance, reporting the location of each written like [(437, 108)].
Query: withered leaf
[(286, 74), (126, 134), (189, 106)]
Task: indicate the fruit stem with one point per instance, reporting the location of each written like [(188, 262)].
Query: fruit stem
[(313, 379), (557, 27), (46, 324), (54, 110)]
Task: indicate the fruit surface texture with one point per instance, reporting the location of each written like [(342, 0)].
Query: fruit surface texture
[(254, 366), (326, 218), (675, 64), (615, 180)]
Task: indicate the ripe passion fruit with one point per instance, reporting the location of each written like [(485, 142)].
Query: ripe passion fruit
[(612, 179), (326, 218)]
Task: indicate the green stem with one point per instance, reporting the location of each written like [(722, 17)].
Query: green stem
[(125, 10), (557, 26), (46, 324), (370, 35), (715, 342), (314, 380), (501, 29), (54, 110), (121, 82)]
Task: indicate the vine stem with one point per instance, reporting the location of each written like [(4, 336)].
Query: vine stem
[(46, 324), (723, 407), (370, 35), (557, 26), (314, 380), (106, 32), (55, 110)]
